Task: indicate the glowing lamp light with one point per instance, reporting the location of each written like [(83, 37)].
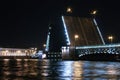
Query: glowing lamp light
[(43, 56), (94, 12), (76, 36), (69, 10), (44, 45), (110, 38)]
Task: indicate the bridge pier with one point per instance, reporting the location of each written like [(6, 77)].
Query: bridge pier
[(69, 53)]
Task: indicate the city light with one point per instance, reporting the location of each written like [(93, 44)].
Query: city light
[(16, 52), (110, 38), (69, 10), (94, 12), (76, 36), (44, 45)]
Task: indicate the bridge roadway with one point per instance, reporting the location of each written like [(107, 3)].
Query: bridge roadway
[(99, 51)]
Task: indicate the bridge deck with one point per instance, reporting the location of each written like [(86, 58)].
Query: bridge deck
[(98, 46)]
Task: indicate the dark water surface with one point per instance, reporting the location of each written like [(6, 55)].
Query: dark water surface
[(33, 69)]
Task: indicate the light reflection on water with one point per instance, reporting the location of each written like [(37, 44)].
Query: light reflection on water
[(33, 69)]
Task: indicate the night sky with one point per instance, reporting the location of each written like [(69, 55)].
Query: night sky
[(24, 23)]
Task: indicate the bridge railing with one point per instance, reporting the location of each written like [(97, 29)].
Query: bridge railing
[(98, 46), (107, 49)]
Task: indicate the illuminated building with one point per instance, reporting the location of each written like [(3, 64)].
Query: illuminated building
[(16, 52)]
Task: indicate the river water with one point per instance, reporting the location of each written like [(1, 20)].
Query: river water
[(34, 69)]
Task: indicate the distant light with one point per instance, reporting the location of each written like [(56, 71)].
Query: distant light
[(44, 45), (110, 37), (35, 48), (50, 28), (43, 56), (76, 36), (94, 12), (69, 10)]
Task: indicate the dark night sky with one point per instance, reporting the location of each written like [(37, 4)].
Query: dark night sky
[(24, 23)]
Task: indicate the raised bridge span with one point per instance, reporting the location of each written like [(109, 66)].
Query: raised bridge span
[(89, 40)]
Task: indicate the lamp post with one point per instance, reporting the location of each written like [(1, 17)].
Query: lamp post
[(93, 13), (110, 38), (44, 45), (76, 37)]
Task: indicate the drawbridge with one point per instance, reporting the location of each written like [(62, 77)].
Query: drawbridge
[(83, 37)]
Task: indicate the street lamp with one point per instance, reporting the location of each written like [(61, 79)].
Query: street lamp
[(44, 45), (110, 38), (94, 12), (69, 10), (76, 37)]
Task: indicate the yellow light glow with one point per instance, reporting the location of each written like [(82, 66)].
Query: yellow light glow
[(69, 10), (110, 37), (76, 36), (94, 12)]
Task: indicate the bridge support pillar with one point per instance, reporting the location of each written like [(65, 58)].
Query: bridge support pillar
[(68, 53)]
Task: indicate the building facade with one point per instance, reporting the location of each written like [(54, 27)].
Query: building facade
[(15, 52)]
